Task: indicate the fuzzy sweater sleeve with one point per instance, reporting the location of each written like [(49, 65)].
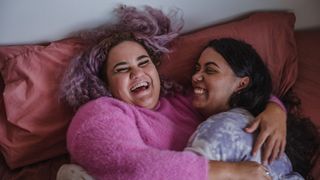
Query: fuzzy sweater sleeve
[(107, 143), (276, 100)]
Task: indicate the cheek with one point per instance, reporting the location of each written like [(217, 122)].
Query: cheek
[(156, 79), (221, 92), (217, 91), (154, 75), (117, 85)]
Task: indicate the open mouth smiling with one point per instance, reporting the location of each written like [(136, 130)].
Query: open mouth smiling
[(140, 86), (199, 91)]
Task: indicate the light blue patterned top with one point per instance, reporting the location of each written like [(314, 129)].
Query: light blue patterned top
[(222, 137)]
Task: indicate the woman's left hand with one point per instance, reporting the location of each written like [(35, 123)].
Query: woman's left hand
[(272, 135)]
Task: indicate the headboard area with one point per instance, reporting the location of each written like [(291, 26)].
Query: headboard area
[(38, 21)]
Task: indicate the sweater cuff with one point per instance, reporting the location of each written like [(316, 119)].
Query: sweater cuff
[(278, 101)]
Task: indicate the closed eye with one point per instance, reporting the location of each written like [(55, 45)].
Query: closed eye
[(121, 69), (143, 63), (210, 70)]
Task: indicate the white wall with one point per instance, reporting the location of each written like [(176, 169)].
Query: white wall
[(34, 21)]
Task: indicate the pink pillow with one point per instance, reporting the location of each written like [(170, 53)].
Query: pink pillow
[(270, 33), (308, 84), (36, 122)]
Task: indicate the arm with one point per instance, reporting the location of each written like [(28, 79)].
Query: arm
[(237, 171), (272, 125), (109, 146)]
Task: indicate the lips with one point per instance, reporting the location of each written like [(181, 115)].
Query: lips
[(142, 85)]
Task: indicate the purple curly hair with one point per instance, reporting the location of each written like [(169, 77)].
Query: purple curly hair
[(84, 79)]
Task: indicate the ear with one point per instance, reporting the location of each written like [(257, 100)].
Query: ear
[(243, 83)]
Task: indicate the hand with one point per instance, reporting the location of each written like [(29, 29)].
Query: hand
[(72, 172), (237, 170), (273, 130)]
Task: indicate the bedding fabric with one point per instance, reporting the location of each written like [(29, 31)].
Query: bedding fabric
[(34, 122), (308, 82), (44, 170)]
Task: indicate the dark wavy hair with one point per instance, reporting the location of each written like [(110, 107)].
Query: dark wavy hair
[(303, 141), (245, 61), (84, 80)]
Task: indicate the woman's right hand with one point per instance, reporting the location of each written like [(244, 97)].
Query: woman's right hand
[(237, 170)]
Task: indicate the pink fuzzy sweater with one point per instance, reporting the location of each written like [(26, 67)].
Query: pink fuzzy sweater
[(115, 140)]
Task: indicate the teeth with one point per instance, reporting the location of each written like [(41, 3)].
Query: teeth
[(140, 84), (199, 91)]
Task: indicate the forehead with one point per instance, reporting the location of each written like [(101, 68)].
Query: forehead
[(211, 55), (125, 51)]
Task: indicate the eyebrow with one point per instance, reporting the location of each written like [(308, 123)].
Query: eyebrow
[(208, 63), (142, 57), (124, 63)]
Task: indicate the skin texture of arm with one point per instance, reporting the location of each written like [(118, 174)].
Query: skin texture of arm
[(237, 171)]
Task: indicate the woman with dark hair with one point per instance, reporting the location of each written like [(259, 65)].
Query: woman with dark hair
[(232, 86), (127, 126)]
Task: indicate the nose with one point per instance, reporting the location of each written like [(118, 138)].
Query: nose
[(197, 77), (136, 72)]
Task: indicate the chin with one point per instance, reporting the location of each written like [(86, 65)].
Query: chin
[(197, 104), (148, 105), (201, 107)]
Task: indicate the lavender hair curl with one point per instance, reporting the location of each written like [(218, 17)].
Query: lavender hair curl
[(84, 80), (151, 26)]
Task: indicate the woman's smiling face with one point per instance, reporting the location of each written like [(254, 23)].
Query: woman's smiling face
[(131, 75), (213, 82)]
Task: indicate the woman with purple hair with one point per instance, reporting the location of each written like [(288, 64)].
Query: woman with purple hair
[(131, 125)]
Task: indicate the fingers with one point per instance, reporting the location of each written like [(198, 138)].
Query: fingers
[(273, 146), (278, 149), (260, 140), (275, 152), (283, 147), (252, 127), (268, 148)]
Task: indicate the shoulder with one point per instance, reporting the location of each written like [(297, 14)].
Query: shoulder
[(99, 112), (98, 118), (237, 117), (235, 113), (102, 105)]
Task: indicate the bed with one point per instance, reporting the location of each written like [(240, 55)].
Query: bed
[(33, 122)]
